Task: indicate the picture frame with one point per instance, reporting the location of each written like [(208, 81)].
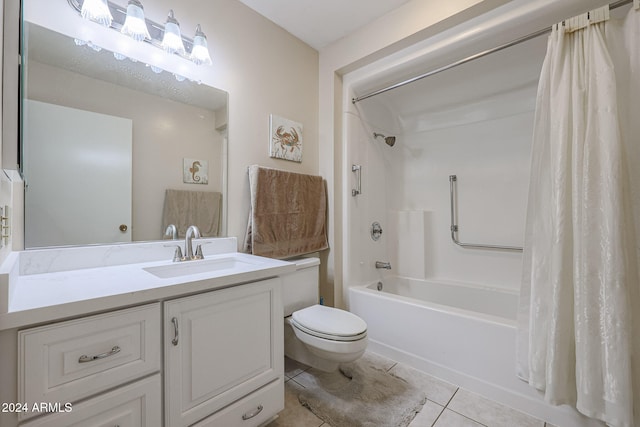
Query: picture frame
[(286, 139), (195, 171)]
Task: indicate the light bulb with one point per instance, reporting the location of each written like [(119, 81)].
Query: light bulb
[(200, 51), (97, 11), (134, 24), (172, 40)]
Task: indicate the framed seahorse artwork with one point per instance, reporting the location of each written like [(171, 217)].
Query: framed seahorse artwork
[(195, 171), (285, 139)]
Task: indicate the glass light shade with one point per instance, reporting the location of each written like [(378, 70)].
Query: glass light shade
[(200, 51), (172, 40), (135, 25), (97, 11)]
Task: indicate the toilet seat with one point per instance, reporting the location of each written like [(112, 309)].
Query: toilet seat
[(329, 323)]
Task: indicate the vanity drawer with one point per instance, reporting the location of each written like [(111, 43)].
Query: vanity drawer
[(253, 410), (67, 361), (135, 405)]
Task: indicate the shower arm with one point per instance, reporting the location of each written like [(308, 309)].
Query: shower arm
[(454, 227)]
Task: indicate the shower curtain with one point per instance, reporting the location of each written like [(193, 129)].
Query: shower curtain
[(579, 309)]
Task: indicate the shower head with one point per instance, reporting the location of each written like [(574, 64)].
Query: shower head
[(389, 140)]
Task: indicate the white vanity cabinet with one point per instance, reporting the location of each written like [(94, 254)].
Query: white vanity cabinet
[(146, 344), (62, 368), (224, 356)]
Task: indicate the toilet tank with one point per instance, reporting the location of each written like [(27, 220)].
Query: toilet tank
[(300, 288)]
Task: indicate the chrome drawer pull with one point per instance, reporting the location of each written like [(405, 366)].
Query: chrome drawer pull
[(250, 415), (174, 341), (84, 358)]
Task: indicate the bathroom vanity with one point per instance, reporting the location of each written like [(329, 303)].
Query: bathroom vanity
[(87, 338)]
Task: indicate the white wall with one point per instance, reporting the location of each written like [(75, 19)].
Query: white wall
[(419, 36), (412, 22), (474, 122)]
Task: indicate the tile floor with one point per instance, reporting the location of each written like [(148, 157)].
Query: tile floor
[(447, 405)]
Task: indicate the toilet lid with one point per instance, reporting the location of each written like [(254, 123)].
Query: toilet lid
[(329, 322)]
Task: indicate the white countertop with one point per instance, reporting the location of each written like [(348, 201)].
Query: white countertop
[(37, 294)]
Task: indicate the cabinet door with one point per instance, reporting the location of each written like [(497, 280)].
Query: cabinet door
[(134, 405), (219, 347)]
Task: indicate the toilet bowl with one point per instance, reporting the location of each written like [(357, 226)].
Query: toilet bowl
[(316, 335)]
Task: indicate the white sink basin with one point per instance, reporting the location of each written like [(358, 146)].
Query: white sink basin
[(187, 268)]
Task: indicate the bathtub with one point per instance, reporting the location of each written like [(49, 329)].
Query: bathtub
[(463, 334)]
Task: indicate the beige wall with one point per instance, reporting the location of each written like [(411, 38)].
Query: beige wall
[(266, 71)]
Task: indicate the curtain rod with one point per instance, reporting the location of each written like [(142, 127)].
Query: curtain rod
[(528, 37)]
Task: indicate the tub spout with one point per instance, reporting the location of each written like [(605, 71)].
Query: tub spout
[(385, 265)]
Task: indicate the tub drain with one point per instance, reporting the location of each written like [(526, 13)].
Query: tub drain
[(379, 287)]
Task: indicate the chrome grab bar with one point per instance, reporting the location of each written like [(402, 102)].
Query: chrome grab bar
[(454, 227), (358, 170), (84, 358)]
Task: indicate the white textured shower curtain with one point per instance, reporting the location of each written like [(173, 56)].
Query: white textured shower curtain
[(579, 310)]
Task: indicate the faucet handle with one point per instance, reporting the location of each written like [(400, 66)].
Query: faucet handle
[(198, 254), (177, 255)]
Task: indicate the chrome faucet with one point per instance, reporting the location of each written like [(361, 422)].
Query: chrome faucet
[(171, 231), (385, 265), (192, 233)]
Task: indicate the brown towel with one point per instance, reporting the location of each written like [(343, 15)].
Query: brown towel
[(288, 213), (183, 208)]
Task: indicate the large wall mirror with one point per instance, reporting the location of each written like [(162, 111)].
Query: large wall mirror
[(103, 139)]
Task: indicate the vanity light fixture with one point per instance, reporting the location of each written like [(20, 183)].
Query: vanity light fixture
[(200, 51), (131, 21), (172, 39), (97, 11), (135, 25)]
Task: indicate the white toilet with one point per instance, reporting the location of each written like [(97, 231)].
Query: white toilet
[(316, 335)]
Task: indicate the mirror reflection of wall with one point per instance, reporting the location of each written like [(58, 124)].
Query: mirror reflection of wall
[(171, 121), (79, 173)]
